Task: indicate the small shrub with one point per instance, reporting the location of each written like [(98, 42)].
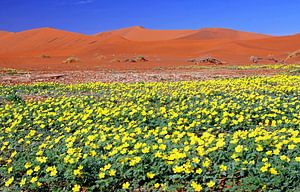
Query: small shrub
[(71, 60), (14, 98), (212, 60), (292, 55), (45, 56), (139, 58), (255, 59)]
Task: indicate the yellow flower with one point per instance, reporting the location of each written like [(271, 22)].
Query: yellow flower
[(252, 162), (162, 147), (291, 146), (77, 172), (273, 171), (150, 175), (196, 186), (196, 160), (41, 159), (52, 170), (27, 165), (29, 172), (9, 170), (210, 184), (156, 185), (112, 172), (101, 175), (23, 182), (13, 154), (37, 168), (199, 171), (264, 168), (223, 167), (259, 148), (178, 169), (93, 153), (234, 156), (9, 181), (269, 152), (106, 167), (273, 124), (33, 179), (40, 152), (224, 121), (134, 161), (239, 148), (76, 188), (276, 152), (220, 143), (146, 150), (206, 163), (297, 159), (126, 185), (245, 162), (284, 158)]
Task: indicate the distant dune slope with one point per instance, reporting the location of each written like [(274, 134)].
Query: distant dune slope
[(141, 34), (43, 40), (220, 33), (3, 33), (281, 43), (138, 33)]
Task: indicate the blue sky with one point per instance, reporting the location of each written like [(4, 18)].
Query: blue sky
[(277, 17)]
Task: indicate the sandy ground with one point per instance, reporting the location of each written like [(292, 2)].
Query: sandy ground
[(127, 76)]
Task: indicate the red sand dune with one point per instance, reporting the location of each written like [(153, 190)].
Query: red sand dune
[(33, 42), (220, 33), (138, 33), (4, 33), (164, 48)]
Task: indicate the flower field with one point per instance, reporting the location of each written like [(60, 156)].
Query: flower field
[(218, 135)]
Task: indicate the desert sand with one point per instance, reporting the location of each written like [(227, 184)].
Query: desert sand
[(47, 48)]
